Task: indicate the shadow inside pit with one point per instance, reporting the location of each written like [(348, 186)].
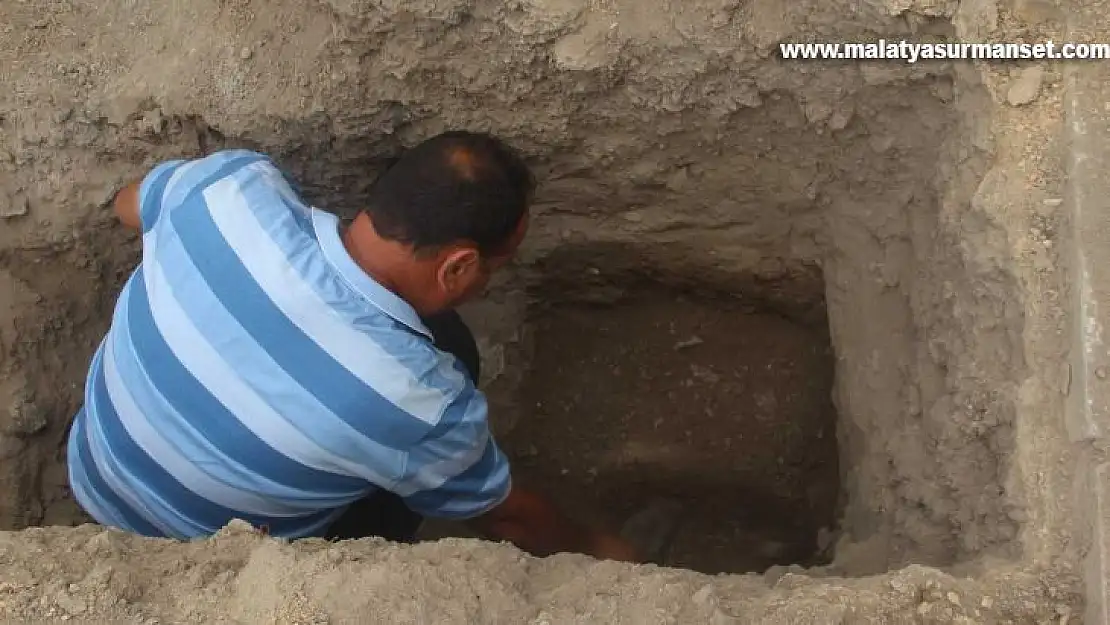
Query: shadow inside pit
[(642, 387)]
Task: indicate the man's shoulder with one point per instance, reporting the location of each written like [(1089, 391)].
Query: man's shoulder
[(249, 180), (228, 154), (232, 168)]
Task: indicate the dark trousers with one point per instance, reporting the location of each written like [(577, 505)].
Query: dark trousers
[(383, 513)]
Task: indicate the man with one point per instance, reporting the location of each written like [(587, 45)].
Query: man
[(266, 363)]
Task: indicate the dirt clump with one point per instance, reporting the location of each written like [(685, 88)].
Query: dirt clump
[(910, 204)]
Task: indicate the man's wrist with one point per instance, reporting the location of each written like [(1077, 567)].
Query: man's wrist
[(606, 546)]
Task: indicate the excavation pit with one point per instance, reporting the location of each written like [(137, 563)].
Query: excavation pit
[(702, 399), (918, 212), (843, 225)]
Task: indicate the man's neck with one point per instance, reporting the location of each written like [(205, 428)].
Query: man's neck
[(370, 252)]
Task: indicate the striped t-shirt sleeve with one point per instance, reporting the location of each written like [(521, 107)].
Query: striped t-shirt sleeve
[(457, 471), (151, 191), (171, 183)]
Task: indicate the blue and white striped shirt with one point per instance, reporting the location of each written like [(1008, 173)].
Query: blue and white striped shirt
[(253, 371)]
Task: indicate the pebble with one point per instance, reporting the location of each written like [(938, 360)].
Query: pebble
[(690, 342), (678, 181), (246, 54), (839, 119), (880, 144), (1025, 88), (152, 122), (25, 419), (14, 207), (987, 603), (703, 596)]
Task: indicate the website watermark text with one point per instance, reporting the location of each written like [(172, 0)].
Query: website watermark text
[(912, 52)]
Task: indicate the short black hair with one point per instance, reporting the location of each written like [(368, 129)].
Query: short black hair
[(457, 185)]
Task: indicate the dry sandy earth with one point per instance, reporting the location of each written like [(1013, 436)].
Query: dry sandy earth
[(87, 575), (915, 210)]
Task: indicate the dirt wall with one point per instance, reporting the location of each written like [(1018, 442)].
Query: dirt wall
[(917, 199), (241, 577)]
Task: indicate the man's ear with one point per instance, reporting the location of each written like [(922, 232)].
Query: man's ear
[(457, 265)]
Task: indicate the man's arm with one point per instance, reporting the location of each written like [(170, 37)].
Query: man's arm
[(458, 472), (139, 204), (532, 523), (126, 206)]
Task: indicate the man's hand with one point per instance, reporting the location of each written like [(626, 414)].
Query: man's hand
[(610, 547), (532, 523), (126, 206)]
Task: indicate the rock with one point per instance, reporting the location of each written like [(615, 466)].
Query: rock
[(24, 418), (679, 180), (840, 118), (881, 144), (237, 527), (70, 604), (975, 19), (1037, 11), (152, 122), (585, 49), (16, 206), (1025, 88), (704, 596), (690, 342), (63, 115)]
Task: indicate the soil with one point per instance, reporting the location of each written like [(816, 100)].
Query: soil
[(88, 575), (723, 410), (929, 211)]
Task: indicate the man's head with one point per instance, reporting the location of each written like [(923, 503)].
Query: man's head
[(457, 205)]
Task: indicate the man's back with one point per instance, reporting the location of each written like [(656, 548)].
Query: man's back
[(253, 371)]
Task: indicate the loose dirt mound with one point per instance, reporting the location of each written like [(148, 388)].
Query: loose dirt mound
[(914, 209), (240, 577)]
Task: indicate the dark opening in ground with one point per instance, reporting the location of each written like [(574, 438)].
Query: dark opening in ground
[(702, 399)]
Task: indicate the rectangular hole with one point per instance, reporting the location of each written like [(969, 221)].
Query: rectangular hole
[(692, 398)]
